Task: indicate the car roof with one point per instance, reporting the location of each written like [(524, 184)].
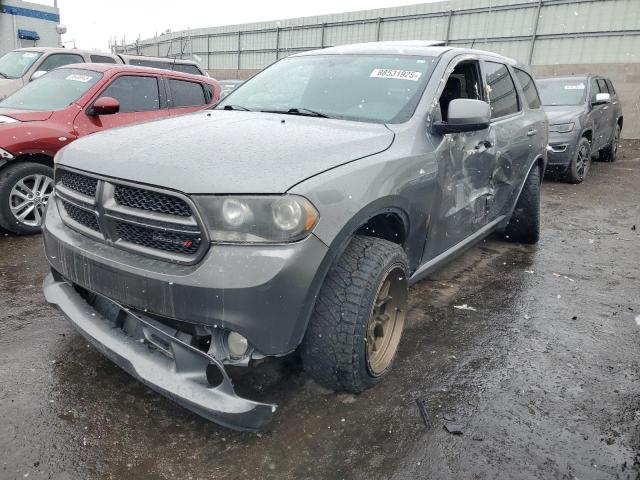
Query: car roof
[(160, 59), (64, 50), (108, 67), (427, 48)]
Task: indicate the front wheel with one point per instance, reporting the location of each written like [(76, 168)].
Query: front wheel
[(359, 316), (25, 189), (581, 162), (610, 153)]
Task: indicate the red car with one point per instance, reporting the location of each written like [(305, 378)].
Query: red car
[(72, 101)]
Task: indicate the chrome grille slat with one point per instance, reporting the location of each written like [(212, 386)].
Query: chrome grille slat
[(140, 219)]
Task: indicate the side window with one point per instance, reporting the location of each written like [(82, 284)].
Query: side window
[(186, 68), (501, 90), (56, 60), (595, 89), (135, 93), (529, 88), (186, 94), (102, 59), (612, 90), (603, 85), (464, 82)]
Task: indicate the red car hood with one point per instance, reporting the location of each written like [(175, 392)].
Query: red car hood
[(25, 115)]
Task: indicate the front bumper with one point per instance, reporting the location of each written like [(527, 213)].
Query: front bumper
[(561, 149), (264, 292), (150, 353)]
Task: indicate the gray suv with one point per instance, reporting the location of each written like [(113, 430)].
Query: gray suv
[(585, 117), (292, 216)]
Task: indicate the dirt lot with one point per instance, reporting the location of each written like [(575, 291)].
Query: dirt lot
[(543, 377)]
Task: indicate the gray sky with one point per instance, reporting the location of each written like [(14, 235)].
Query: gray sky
[(92, 22)]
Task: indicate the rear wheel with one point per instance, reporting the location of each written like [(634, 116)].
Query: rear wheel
[(25, 189), (524, 224), (357, 323), (610, 153), (581, 162)]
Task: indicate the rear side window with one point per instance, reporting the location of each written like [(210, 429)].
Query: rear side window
[(102, 59), (186, 94), (186, 68), (529, 88), (135, 93), (501, 90), (56, 60)]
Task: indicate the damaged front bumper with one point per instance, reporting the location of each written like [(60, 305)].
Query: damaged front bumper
[(151, 353)]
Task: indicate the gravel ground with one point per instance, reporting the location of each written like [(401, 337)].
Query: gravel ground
[(542, 377)]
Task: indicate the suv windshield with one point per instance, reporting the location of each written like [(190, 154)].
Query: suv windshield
[(55, 90), (367, 88), (567, 91), (14, 64)]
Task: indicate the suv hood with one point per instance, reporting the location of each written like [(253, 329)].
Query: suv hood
[(25, 115), (563, 113), (219, 151)]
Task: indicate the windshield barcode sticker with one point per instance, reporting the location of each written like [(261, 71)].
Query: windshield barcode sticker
[(78, 78), (397, 74), (580, 86)]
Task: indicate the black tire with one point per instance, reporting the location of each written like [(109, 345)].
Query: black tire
[(334, 350), (610, 152), (524, 224), (9, 178), (580, 163)]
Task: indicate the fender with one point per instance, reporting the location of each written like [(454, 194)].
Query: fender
[(385, 205)]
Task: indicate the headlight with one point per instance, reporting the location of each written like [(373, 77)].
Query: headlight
[(5, 119), (257, 219), (5, 154), (561, 127)]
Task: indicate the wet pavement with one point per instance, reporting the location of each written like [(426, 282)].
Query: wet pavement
[(542, 375)]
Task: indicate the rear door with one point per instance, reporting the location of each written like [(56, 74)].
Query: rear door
[(141, 98), (186, 96), (510, 133)]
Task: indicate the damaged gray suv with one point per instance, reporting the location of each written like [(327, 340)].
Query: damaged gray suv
[(292, 216)]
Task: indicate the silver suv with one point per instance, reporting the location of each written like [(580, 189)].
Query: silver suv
[(293, 215)]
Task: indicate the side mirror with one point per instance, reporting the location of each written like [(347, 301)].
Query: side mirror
[(104, 106), (36, 75), (601, 99), (465, 115)]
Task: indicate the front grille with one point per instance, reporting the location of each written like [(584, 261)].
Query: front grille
[(148, 222), (80, 183), (151, 201), (182, 243), (81, 216)]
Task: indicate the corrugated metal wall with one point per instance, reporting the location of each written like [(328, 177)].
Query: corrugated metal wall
[(540, 32)]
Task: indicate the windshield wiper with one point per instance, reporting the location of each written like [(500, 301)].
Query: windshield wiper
[(236, 107), (299, 111), (4, 75)]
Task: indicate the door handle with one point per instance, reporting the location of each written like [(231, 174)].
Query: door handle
[(532, 132), (483, 143)]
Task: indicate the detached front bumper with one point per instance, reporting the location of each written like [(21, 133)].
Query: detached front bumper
[(150, 353)]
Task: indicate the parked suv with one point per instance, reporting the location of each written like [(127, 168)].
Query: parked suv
[(21, 66), (294, 214), (71, 102), (585, 117)]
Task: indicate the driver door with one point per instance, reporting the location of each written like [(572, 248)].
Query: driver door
[(465, 163), (140, 98)]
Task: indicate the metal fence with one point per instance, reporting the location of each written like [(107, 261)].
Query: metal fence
[(537, 32)]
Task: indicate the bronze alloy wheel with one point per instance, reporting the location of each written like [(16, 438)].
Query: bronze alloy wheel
[(386, 322)]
